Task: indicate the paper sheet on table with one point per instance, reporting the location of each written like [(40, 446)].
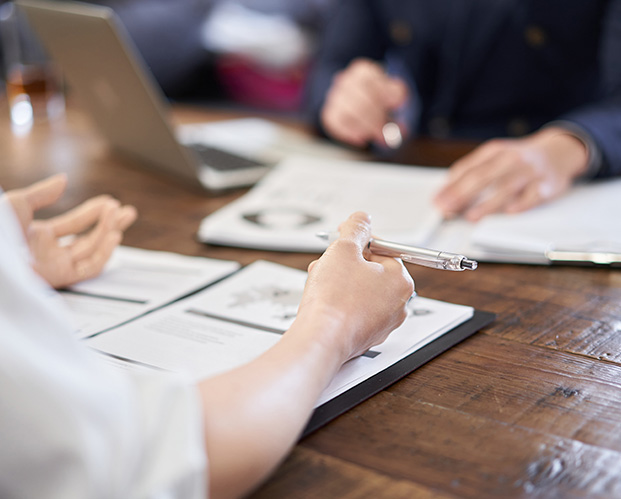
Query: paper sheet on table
[(303, 196), (136, 281), (585, 219), (237, 319)]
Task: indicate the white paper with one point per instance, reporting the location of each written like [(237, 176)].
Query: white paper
[(586, 218), (178, 340), (303, 196), (136, 281), (237, 319), (262, 294)]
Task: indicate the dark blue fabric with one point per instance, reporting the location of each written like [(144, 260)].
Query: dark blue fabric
[(491, 68)]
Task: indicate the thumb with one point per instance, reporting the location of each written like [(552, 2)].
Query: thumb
[(46, 192)]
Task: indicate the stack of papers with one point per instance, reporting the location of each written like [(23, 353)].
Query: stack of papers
[(304, 196), (237, 319), (136, 281)]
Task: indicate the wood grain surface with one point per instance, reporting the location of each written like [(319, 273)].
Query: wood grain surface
[(528, 407)]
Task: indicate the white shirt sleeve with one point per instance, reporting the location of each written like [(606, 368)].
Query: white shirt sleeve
[(73, 427)]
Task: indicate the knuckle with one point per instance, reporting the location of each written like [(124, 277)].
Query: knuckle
[(495, 144), (360, 63), (346, 245), (364, 68), (514, 156)]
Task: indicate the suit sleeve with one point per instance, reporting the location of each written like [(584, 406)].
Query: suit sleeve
[(352, 31), (601, 120)]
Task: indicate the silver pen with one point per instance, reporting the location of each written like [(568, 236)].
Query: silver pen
[(419, 256)]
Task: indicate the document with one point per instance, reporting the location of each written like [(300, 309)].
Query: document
[(585, 219), (237, 319), (136, 281), (303, 196)]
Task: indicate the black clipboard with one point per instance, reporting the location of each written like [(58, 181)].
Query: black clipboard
[(375, 384)]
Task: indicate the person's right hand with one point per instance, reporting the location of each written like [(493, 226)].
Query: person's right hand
[(360, 101), (360, 297)]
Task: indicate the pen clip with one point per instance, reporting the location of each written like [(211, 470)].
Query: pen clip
[(421, 260)]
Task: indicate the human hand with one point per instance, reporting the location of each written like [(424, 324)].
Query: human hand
[(360, 101), (96, 228), (512, 175), (360, 296)]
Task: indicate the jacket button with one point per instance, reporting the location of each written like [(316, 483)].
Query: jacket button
[(518, 127), (535, 36), (400, 32)]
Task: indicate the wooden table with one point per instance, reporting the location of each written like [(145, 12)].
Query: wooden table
[(531, 405)]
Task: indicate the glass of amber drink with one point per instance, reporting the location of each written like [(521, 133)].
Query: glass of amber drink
[(33, 84)]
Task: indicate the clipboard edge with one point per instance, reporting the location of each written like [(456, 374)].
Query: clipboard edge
[(330, 410)]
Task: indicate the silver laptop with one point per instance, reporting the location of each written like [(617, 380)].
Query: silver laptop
[(116, 88)]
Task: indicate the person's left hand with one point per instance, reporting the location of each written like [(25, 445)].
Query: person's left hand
[(94, 228), (512, 175)]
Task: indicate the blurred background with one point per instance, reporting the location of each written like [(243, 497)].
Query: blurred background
[(250, 53)]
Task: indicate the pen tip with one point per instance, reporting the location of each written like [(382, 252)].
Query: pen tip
[(469, 264)]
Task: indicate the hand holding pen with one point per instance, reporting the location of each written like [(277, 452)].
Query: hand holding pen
[(411, 254), (362, 106)]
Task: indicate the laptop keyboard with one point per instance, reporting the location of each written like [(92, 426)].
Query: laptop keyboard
[(222, 160)]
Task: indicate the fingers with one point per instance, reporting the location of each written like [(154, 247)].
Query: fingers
[(81, 217), (88, 213), (62, 265), (498, 192), (125, 217), (87, 245), (29, 199), (45, 192), (501, 176), (529, 198), (400, 275), (463, 179), (359, 101), (536, 194), (90, 252), (350, 120), (114, 222), (91, 265)]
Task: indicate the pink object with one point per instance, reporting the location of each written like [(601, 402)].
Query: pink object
[(258, 86)]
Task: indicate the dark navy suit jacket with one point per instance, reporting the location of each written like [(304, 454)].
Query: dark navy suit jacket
[(486, 68)]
